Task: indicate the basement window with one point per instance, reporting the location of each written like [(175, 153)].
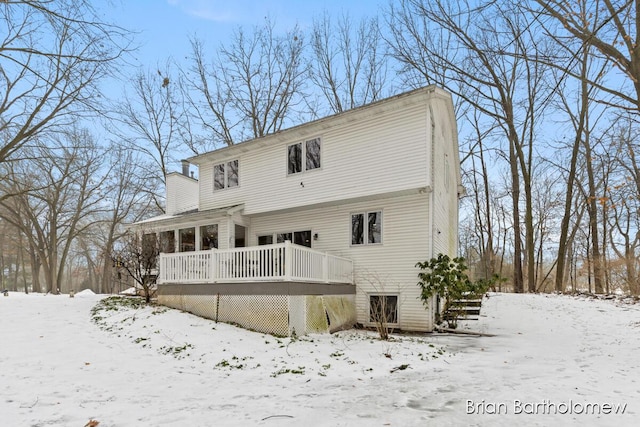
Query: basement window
[(383, 308)]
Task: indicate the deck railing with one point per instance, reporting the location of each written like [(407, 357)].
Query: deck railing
[(279, 262)]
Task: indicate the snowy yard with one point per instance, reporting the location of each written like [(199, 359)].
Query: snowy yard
[(554, 360)]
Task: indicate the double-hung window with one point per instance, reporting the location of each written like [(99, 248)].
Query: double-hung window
[(304, 156), (366, 228), (225, 175)]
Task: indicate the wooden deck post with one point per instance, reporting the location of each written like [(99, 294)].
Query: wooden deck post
[(325, 268), (213, 268), (288, 260), (162, 269)]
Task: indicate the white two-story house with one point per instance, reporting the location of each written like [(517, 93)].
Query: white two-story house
[(316, 227)]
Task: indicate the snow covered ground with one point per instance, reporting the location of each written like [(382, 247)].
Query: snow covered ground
[(554, 360)]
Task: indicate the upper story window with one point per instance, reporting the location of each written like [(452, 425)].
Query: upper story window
[(366, 228), (225, 175), (304, 156)]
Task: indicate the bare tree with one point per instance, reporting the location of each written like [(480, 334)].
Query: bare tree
[(348, 63), (137, 254), (607, 26), (126, 201), (484, 50), (622, 199), (152, 116), (482, 191), (583, 119), (56, 196), (252, 87), (53, 54), (11, 258)]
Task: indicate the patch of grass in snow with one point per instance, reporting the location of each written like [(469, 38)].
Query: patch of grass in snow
[(114, 304), (178, 351), (160, 309), (438, 351), (299, 371), (102, 312), (118, 303), (325, 368), (234, 364)]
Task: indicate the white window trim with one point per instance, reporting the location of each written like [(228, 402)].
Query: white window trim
[(304, 156), (365, 241), (198, 226), (384, 294), (226, 175)]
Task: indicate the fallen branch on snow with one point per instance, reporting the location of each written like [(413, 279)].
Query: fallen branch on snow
[(277, 416), (458, 331)]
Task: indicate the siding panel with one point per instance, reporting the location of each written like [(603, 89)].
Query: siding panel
[(383, 153), (182, 193), (386, 268)]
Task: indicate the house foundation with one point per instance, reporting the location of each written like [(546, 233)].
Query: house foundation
[(280, 315)]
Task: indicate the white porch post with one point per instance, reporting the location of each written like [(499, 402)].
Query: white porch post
[(325, 268), (288, 260), (162, 268), (213, 268)]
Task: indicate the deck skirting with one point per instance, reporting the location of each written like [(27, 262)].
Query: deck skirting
[(277, 314)]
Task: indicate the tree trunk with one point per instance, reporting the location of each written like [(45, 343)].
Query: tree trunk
[(518, 284), (593, 222)]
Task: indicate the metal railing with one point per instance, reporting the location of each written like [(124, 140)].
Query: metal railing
[(278, 262)]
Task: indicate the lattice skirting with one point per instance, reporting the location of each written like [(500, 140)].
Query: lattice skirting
[(280, 315)]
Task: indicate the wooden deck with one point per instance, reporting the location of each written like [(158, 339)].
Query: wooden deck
[(277, 263)]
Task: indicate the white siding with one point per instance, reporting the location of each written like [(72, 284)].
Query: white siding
[(446, 181), (386, 268), (182, 193), (379, 151), (377, 157)]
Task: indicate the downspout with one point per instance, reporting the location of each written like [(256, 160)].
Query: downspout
[(430, 186), (435, 305)]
